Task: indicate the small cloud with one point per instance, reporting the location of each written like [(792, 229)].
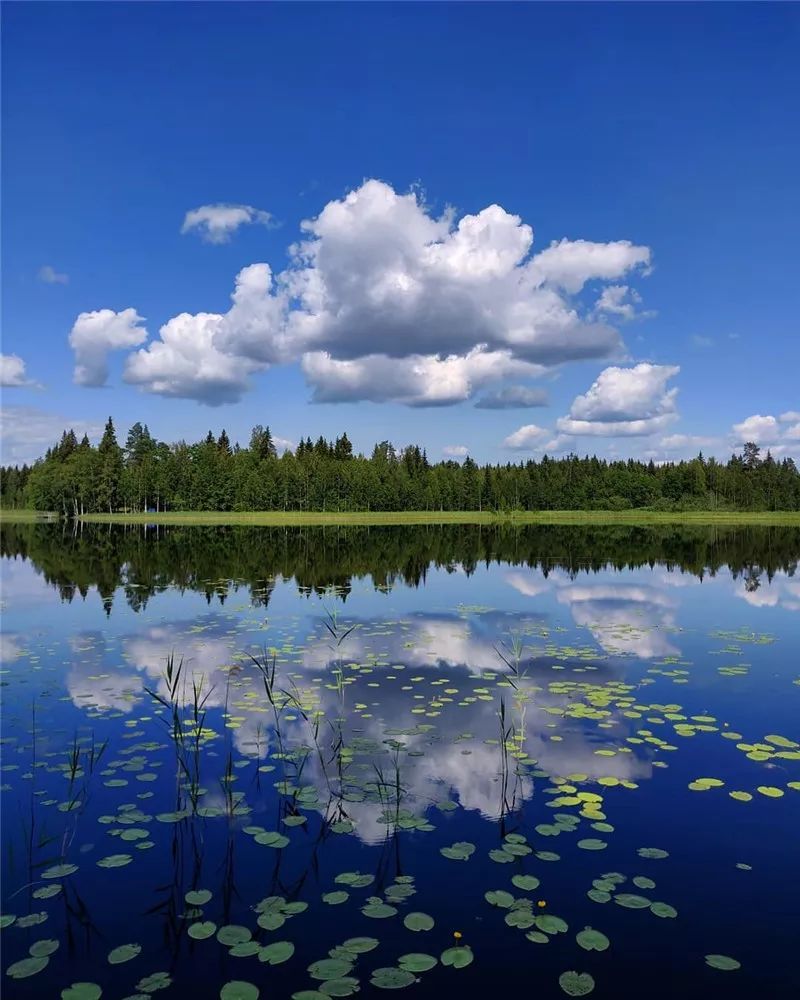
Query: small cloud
[(12, 373), (217, 223), (702, 343), (50, 276), (790, 417), (455, 450), (757, 428), (526, 438), (514, 397), (95, 334)]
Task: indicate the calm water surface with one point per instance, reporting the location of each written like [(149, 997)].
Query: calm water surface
[(380, 745)]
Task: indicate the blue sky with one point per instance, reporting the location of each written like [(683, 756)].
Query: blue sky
[(656, 146)]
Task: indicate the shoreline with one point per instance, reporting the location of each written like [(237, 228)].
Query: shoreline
[(400, 518)]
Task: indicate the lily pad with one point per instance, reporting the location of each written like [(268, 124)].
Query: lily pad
[(592, 940), (236, 989), (198, 897), (576, 984), (391, 978), (59, 871), (663, 910), (417, 922), (458, 957), (202, 930), (115, 861), (723, 962), (417, 961), (335, 898), (276, 953), (82, 991), (525, 882), (27, 967), (232, 934)]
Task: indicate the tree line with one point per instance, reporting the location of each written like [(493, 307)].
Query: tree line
[(74, 477)]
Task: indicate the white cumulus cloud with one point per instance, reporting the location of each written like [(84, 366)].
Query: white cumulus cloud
[(12, 372), (217, 223), (624, 401), (760, 430), (94, 334), (526, 437), (385, 300), (455, 451)]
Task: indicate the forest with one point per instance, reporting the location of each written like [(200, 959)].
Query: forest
[(74, 478)]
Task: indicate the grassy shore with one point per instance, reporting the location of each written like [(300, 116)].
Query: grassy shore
[(295, 519), (16, 516)]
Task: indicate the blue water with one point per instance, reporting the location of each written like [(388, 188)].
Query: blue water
[(409, 682)]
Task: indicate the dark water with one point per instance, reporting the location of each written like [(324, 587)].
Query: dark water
[(548, 697)]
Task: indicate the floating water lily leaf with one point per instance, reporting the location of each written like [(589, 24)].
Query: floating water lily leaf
[(551, 924), (232, 934), (592, 940), (460, 851), (391, 979), (632, 901), (154, 982), (202, 930), (198, 897), (115, 861), (245, 950), (592, 844), (770, 791), (59, 871), (599, 895), (46, 892), (7, 920), (723, 962), (378, 911), (741, 796), (309, 995), (82, 991), (499, 897), (238, 990), (417, 922), (663, 910), (40, 949), (522, 918), (576, 984), (652, 853), (329, 968), (344, 987), (643, 882), (525, 882), (361, 945), (277, 952), (458, 957), (27, 967), (417, 961), (537, 937), (335, 898)]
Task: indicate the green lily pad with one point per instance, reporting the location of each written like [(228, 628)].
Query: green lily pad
[(525, 882), (154, 982), (198, 897), (232, 934), (238, 990), (7, 920), (592, 844), (329, 968), (663, 910), (59, 871), (417, 961), (499, 897), (276, 953), (653, 853), (576, 984), (418, 921), (458, 957), (592, 940), (336, 898), (82, 991), (344, 987), (115, 861), (537, 937), (361, 945), (43, 948), (551, 924), (245, 949), (642, 882), (723, 962), (391, 978), (27, 967), (202, 930), (123, 953), (378, 911), (632, 901), (460, 851)]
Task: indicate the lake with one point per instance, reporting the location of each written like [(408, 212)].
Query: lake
[(547, 760)]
